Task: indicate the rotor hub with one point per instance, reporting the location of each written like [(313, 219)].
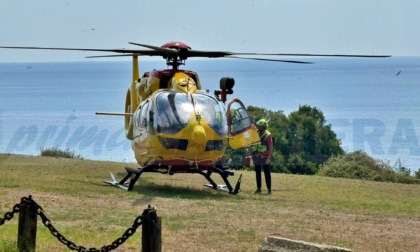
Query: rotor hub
[(178, 59), (176, 45)]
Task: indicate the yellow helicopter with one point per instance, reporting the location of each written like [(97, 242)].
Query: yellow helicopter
[(174, 125)]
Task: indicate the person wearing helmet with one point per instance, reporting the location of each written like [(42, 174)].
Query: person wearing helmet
[(261, 155)]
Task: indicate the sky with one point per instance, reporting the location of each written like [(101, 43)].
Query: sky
[(276, 26)]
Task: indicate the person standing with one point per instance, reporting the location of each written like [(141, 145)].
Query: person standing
[(261, 155)]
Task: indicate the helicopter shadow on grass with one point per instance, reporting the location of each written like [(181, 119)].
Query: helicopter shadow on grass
[(152, 189)]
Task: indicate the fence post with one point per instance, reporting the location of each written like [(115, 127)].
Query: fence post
[(151, 231), (27, 227)]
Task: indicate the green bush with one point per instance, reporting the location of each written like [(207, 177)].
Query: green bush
[(359, 165), (55, 152)]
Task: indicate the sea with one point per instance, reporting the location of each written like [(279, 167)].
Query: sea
[(372, 104)]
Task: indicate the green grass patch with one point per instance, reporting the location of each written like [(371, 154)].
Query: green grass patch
[(8, 246), (360, 215)]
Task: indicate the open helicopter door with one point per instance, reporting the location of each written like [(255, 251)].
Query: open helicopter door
[(242, 132)]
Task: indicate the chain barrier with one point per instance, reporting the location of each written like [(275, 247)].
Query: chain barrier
[(9, 215), (71, 245)]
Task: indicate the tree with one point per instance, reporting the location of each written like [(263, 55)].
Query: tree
[(417, 174), (303, 141), (311, 139), (235, 159)]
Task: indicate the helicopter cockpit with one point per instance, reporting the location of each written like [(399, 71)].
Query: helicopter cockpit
[(175, 110)]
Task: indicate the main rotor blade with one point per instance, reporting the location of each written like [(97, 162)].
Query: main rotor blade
[(114, 55), (156, 48), (128, 51), (218, 54), (186, 52), (209, 54), (276, 60), (314, 55)]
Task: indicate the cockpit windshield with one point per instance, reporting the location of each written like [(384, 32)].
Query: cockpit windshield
[(212, 111), (174, 111)]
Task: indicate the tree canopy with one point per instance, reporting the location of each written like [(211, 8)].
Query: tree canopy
[(303, 140), (306, 144)]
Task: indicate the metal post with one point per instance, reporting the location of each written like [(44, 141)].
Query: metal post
[(151, 231), (27, 227)]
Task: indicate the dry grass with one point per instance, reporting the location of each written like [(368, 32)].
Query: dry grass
[(361, 215)]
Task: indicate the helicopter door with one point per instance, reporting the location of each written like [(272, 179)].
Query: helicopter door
[(242, 133)]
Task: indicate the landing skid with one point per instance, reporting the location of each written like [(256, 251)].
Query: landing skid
[(132, 175), (127, 183), (224, 174)]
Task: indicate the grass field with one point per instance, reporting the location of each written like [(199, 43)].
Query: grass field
[(360, 215)]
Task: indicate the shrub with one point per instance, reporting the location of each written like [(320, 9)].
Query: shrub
[(359, 165), (55, 152)]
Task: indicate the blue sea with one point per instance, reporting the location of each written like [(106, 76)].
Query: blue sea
[(372, 104)]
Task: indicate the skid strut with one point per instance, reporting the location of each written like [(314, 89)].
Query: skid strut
[(224, 174)]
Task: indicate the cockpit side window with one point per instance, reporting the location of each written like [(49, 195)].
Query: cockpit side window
[(138, 118), (143, 116), (239, 118)]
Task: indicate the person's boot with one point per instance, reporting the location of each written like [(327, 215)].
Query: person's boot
[(258, 190), (269, 191)]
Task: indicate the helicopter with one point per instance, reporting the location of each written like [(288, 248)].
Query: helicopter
[(176, 126)]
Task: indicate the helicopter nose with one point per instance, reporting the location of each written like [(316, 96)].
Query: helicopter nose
[(199, 135)]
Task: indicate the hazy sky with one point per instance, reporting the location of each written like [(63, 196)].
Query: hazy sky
[(277, 26)]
